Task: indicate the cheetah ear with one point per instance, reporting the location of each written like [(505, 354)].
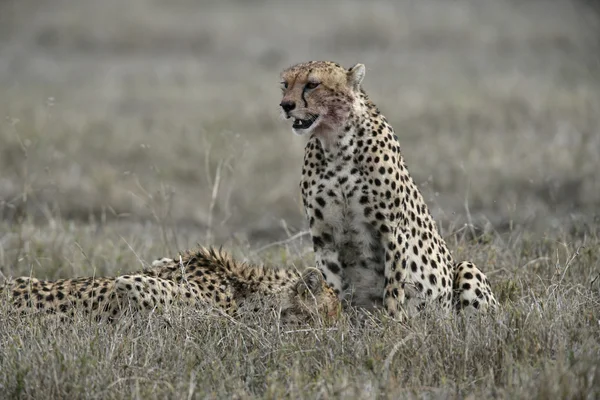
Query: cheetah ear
[(311, 280), (356, 75)]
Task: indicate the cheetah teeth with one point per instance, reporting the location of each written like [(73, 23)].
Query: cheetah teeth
[(303, 123)]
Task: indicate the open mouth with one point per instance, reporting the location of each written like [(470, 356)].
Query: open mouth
[(304, 123)]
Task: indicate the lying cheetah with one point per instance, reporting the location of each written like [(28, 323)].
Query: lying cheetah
[(374, 239), (200, 277)]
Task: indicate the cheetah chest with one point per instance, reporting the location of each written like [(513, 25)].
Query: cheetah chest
[(331, 195)]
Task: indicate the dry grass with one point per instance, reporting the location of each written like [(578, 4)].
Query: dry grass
[(543, 344), (133, 129)]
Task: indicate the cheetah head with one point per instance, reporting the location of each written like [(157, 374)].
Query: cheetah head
[(310, 298), (318, 95)]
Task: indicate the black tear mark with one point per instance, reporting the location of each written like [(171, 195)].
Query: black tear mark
[(304, 90), (303, 99)]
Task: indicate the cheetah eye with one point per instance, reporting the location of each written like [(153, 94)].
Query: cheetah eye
[(284, 85), (311, 85)]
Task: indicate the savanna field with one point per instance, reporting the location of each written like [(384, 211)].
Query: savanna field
[(132, 130)]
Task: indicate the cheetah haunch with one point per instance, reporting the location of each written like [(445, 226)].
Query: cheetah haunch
[(204, 277), (374, 239)]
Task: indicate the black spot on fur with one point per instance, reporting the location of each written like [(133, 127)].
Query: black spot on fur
[(433, 279), (318, 214), (317, 242), (333, 267)]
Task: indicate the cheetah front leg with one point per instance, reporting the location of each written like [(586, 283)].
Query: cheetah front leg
[(328, 262), (395, 276), (327, 258)]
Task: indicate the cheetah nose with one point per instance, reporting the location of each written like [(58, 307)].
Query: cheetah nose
[(288, 105)]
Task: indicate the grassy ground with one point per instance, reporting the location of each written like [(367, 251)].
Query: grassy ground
[(129, 132)]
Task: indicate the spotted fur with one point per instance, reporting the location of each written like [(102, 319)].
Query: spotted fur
[(203, 277), (374, 238)]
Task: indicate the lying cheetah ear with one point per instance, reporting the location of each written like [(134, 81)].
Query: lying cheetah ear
[(356, 75), (311, 280)]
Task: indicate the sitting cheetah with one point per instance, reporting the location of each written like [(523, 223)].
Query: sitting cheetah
[(203, 276), (374, 239)]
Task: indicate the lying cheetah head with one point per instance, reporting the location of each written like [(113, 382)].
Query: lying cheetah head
[(318, 95), (310, 299)]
